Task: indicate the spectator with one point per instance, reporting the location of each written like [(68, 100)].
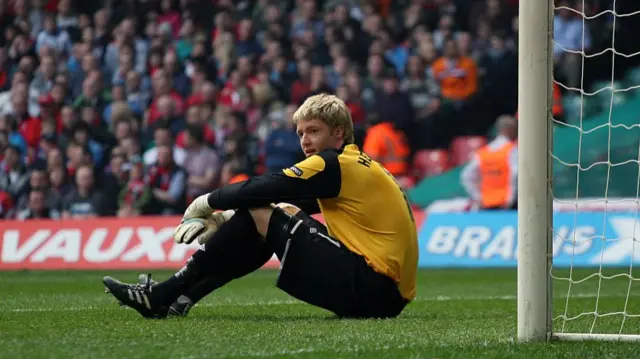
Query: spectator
[(6, 205), (89, 63), (29, 126), (53, 37), (162, 89), (109, 85), (196, 119), (9, 125), (13, 174), (67, 20), (91, 96), (570, 34), (81, 134), (202, 164), (282, 147), (424, 94), (84, 200), (179, 79), (167, 181), (39, 181), (77, 156), (394, 105), (37, 207), (125, 35), (353, 104), (162, 137), (114, 178), (58, 179), (135, 196), (246, 44), (457, 75), (119, 98), (135, 91), (301, 86), (168, 15), (490, 178), (499, 68)]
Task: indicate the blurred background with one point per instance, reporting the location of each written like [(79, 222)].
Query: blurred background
[(134, 107)]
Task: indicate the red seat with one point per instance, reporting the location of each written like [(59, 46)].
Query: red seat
[(462, 148), (406, 182), (430, 162)]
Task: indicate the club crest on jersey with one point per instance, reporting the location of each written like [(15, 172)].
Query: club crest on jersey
[(296, 170)]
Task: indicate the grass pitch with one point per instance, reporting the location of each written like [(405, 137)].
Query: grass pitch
[(458, 314)]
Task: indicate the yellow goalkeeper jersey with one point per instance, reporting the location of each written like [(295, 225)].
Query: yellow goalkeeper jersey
[(362, 204)]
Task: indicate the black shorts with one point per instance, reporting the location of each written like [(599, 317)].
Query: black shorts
[(321, 271)]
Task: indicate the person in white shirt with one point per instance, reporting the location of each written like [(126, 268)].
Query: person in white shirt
[(163, 137)]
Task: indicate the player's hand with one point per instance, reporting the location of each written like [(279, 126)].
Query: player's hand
[(200, 229), (199, 208)]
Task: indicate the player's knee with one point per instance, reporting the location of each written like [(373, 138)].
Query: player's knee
[(288, 208), (261, 217)]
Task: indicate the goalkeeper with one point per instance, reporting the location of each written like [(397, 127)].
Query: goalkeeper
[(361, 265)]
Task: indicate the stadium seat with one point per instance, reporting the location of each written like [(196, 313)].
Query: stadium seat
[(463, 147), (575, 105), (430, 162), (603, 97), (406, 182), (631, 79)]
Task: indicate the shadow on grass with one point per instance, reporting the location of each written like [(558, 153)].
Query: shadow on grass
[(312, 317)]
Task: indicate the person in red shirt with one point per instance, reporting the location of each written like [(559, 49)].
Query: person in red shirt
[(194, 117), (162, 86), (302, 85), (357, 112), (29, 127), (6, 205), (235, 94)]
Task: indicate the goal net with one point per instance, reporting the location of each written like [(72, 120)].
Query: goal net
[(592, 289), (596, 177)]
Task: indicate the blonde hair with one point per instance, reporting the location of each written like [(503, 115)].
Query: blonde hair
[(328, 109)]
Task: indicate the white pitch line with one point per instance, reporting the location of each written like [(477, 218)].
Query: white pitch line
[(292, 301)]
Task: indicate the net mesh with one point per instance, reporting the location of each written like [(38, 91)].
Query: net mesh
[(596, 160)]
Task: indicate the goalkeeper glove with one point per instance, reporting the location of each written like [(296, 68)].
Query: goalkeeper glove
[(200, 229), (199, 208)]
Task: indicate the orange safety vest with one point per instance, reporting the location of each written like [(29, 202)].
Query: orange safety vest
[(495, 175), (387, 145)]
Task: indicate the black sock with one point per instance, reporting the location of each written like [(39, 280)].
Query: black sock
[(235, 250)]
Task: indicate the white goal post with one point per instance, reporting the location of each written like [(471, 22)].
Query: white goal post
[(535, 319), (535, 74)]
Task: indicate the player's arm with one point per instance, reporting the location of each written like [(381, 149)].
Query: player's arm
[(316, 177), (308, 206), (470, 176)]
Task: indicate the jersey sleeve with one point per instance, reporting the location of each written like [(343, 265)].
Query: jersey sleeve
[(316, 177)]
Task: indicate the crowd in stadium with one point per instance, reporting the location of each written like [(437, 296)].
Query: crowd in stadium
[(131, 107)]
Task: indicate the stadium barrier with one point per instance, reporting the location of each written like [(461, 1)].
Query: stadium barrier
[(489, 239), (449, 238), (104, 243)]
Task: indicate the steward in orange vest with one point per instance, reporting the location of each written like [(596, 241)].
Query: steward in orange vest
[(388, 146), (491, 177)]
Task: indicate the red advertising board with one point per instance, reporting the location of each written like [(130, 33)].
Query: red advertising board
[(105, 243)]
